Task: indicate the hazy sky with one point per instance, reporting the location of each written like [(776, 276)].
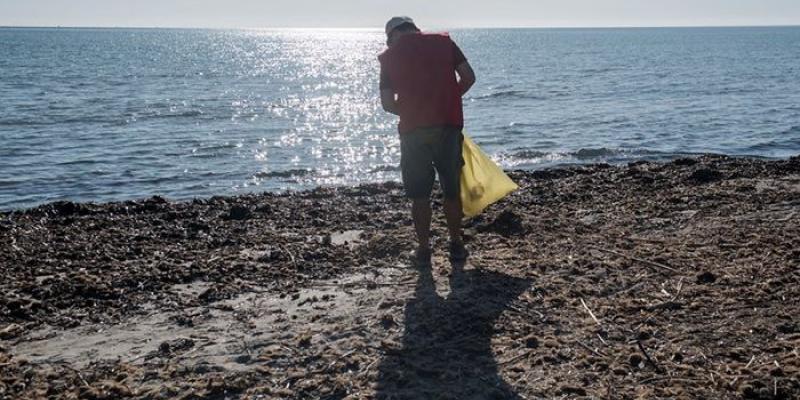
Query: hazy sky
[(373, 13)]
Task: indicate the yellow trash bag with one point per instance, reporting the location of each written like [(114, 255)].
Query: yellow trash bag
[(482, 181)]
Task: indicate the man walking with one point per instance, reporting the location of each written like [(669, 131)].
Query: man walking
[(423, 77)]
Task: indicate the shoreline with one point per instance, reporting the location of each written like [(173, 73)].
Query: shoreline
[(289, 192), (644, 280)]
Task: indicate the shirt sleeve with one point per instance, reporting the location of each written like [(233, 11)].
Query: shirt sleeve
[(385, 82), (458, 55)]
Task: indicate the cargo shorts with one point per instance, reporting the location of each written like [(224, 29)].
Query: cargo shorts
[(425, 150)]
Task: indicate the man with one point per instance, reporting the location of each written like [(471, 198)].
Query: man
[(418, 82)]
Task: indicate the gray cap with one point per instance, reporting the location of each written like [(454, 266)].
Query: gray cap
[(396, 22)]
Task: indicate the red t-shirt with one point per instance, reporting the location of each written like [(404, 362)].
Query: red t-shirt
[(420, 68)]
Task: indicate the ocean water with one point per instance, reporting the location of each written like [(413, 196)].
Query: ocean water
[(116, 114)]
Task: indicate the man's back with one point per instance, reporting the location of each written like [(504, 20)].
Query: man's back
[(420, 68)]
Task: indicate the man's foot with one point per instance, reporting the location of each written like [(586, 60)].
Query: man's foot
[(458, 252), (422, 257)]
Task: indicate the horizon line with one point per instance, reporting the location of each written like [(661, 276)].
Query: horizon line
[(377, 28)]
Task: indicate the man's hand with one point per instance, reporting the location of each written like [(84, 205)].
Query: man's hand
[(466, 77), (389, 101)]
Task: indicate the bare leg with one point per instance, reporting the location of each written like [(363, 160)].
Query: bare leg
[(421, 213), (453, 214)]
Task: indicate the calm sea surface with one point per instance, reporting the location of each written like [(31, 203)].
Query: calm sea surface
[(115, 114)]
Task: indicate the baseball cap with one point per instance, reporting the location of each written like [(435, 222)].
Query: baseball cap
[(395, 22)]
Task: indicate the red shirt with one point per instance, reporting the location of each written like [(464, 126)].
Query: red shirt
[(420, 68)]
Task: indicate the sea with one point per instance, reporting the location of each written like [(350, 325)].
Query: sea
[(96, 115)]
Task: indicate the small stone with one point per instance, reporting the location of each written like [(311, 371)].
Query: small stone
[(706, 278), (243, 359), (239, 213), (66, 208), (172, 346), (386, 303), (157, 200), (531, 342), (154, 203), (566, 390), (705, 175), (387, 321), (685, 162), (635, 360), (304, 340), (11, 331), (550, 343), (164, 347), (198, 226), (787, 328)]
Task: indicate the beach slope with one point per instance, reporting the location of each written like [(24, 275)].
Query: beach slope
[(651, 280)]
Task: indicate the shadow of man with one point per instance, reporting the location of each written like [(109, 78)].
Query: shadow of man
[(446, 351)]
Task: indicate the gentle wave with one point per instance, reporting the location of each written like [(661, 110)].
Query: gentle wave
[(791, 131), (590, 153), (77, 162), (385, 168), (781, 148), (509, 94), (602, 154), (121, 119), (290, 173)]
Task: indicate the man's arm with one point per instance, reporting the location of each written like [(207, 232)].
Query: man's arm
[(466, 76), (389, 101)]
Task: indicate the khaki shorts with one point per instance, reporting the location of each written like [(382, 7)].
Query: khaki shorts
[(424, 150)]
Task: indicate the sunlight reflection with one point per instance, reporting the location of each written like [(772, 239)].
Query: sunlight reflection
[(312, 94)]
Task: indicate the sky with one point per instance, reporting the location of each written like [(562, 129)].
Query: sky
[(374, 13)]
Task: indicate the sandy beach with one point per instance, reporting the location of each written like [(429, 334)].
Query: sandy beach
[(674, 280)]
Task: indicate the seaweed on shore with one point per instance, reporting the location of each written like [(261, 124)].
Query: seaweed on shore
[(652, 280)]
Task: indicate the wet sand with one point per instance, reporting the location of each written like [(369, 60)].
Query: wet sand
[(677, 280)]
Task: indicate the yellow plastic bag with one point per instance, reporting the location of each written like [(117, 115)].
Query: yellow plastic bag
[(482, 181)]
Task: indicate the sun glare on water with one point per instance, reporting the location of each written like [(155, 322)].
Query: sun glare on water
[(325, 85)]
